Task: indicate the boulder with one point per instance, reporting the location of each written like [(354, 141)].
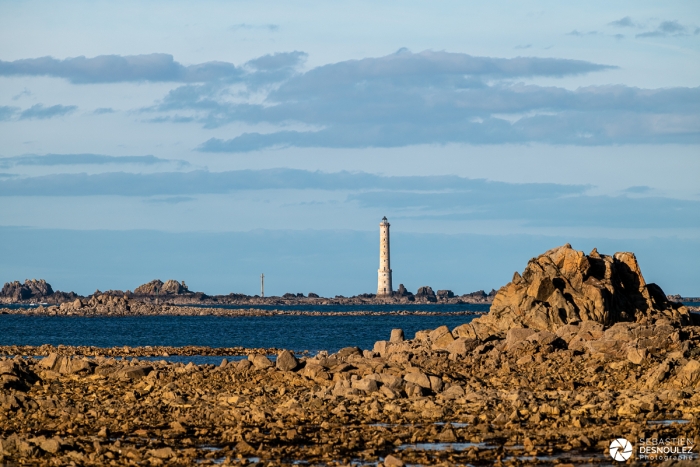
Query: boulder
[(348, 351), (564, 287), (396, 335), (418, 378), (445, 294), (366, 384), (462, 346), (260, 361), (286, 361), (135, 372), (689, 375), (392, 461)]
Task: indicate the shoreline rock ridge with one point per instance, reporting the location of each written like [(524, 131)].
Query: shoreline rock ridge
[(564, 287)]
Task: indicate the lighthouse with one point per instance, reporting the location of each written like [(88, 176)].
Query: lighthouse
[(384, 273)]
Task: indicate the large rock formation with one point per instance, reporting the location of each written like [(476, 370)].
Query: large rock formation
[(30, 289), (158, 287), (564, 286)]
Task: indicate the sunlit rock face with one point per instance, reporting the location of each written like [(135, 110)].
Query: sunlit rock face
[(565, 286)]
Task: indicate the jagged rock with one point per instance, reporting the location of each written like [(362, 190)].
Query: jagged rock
[(445, 293), (441, 338), (158, 287), (402, 292), (425, 291), (564, 286), (14, 375), (30, 289), (689, 375)]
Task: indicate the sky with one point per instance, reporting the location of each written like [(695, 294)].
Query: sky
[(214, 141)]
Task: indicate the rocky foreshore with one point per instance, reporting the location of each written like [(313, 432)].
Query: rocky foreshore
[(577, 351), (530, 397), (130, 352)]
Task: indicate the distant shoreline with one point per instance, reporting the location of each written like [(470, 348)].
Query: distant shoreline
[(132, 308)]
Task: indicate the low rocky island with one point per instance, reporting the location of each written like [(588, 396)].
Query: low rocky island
[(172, 292), (577, 351)]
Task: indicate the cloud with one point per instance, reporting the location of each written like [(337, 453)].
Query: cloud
[(81, 159), (447, 198), (665, 29), (116, 68), (170, 200), (278, 61), (381, 115), (562, 211), (103, 110), (405, 98), (625, 22), (246, 26), (436, 98), (39, 111), (25, 92), (581, 34), (204, 182), (526, 46), (7, 112), (638, 189)]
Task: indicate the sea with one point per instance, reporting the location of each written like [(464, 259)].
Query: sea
[(299, 333), (312, 333)]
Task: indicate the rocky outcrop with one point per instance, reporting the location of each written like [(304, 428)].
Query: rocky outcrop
[(158, 287), (427, 293), (36, 289), (445, 294), (566, 287)]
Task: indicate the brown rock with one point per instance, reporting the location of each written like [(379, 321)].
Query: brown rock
[(286, 361), (689, 375), (260, 361), (162, 453), (418, 378), (396, 335), (564, 286), (50, 445), (391, 461), (462, 345), (135, 372), (453, 392), (636, 356), (367, 385)]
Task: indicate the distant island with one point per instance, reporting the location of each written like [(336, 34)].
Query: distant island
[(177, 293)]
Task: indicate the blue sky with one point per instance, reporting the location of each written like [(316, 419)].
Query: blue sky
[(501, 127)]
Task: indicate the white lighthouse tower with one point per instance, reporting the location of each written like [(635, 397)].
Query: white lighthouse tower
[(384, 279)]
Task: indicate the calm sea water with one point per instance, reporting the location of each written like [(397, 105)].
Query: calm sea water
[(297, 333)]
